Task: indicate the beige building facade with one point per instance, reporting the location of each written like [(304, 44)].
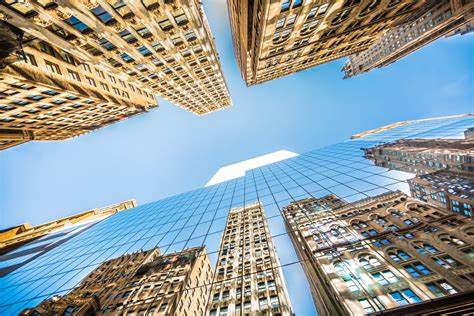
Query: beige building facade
[(440, 18), (248, 279), (274, 38), (142, 283), (422, 156), (104, 61), (453, 191), (384, 254), (13, 237)]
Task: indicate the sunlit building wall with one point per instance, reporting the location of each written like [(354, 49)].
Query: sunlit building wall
[(105, 61), (142, 283), (441, 18), (276, 38), (453, 191), (422, 156), (248, 279), (381, 253)]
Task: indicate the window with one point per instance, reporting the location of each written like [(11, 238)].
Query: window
[(398, 255), (126, 57), (91, 81), (371, 305), (280, 23), (405, 297), (100, 73), (68, 311), (417, 270), (181, 18), (369, 261), (190, 35), (163, 307), (106, 44), (86, 67), (351, 285), (165, 25), (274, 301), (425, 248), (103, 15), (78, 25), (53, 67), (69, 59), (223, 311), (104, 86), (144, 51), (312, 12), (30, 59), (447, 262), (441, 288), (291, 19), (74, 75), (381, 242), (385, 277), (48, 49)]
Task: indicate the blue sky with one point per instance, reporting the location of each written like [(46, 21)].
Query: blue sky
[(169, 150)]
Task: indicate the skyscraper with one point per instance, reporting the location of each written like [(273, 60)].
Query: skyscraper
[(23, 243), (200, 217), (248, 278), (276, 38), (440, 18), (381, 252), (453, 191), (423, 156), (142, 283), (88, 64)]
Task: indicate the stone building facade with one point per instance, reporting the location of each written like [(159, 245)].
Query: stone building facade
[(276, 38), (104, 61), (441, 18), (143, 283), (453, 191), (383, 253), (248, 279), (14, 237), (422, 156)]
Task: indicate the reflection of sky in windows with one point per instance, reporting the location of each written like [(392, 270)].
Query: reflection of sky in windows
[(198, 217)]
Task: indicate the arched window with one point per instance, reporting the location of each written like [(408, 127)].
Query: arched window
[(425, 248), (451, 240), (368, 261), (398, 255), (469, 231), (380, 220), (396, 213)]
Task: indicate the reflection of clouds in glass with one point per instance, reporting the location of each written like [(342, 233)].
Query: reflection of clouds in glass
[(402, 186)]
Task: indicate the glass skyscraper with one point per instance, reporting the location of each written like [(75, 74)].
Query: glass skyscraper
[(198, 218)]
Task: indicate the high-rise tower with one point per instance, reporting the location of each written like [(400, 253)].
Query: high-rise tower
[(86, 64), (382, 253), (274, 38), (248, 278)]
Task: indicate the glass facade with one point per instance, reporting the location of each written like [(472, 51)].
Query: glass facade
[(198, 218)]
